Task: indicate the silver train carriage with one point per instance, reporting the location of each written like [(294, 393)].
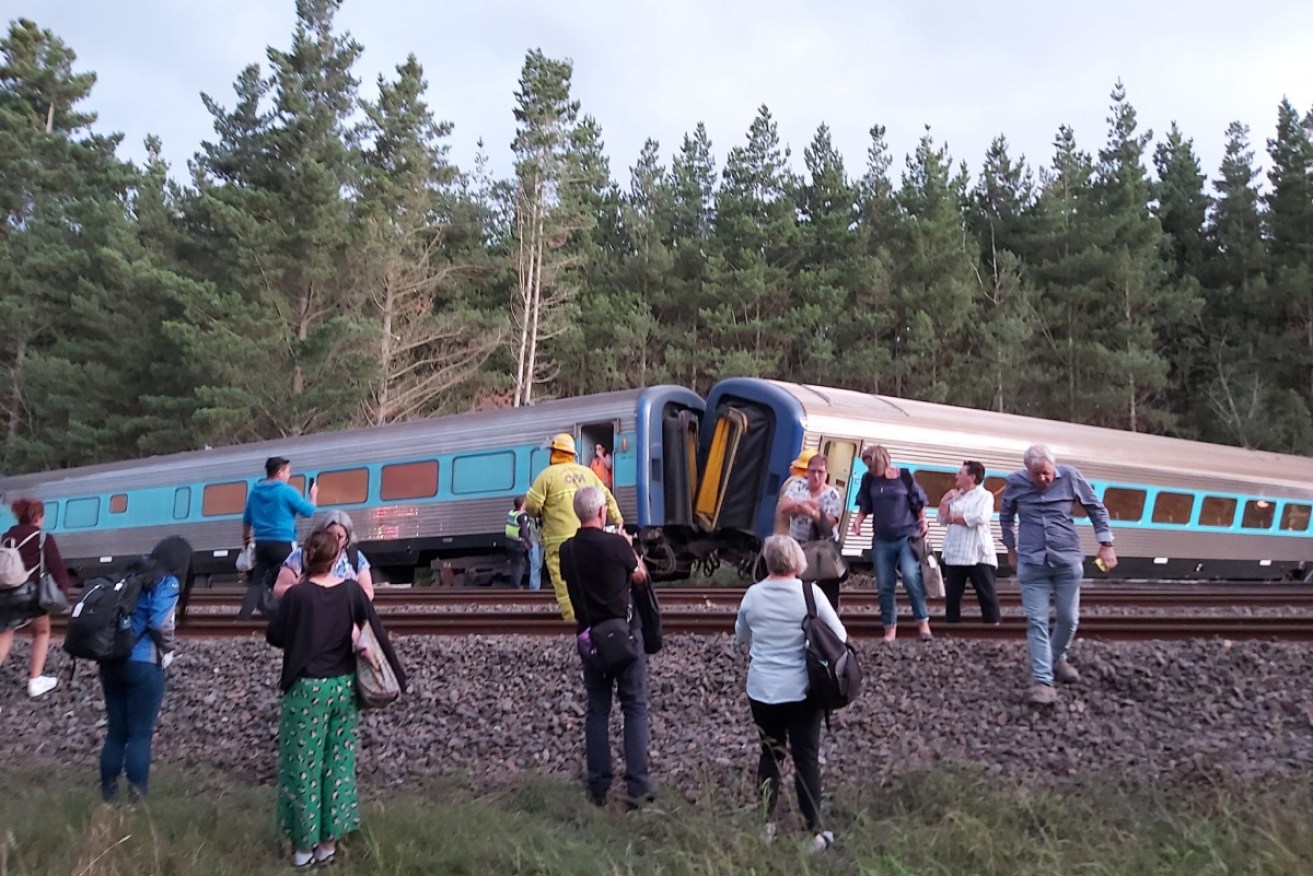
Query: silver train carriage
[(1180, 509), (426, 494)]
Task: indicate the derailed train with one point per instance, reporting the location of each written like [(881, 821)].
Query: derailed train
[(696, 481)]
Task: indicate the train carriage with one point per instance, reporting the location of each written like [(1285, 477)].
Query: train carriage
[(429, 493), (1180, 509)]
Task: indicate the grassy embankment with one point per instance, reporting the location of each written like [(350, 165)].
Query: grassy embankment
[(925, 824)]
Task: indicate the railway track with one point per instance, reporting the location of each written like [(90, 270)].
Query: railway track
[(867, 626), (728, 598)]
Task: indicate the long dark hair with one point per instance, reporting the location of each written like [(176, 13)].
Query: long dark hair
[(172, 556)]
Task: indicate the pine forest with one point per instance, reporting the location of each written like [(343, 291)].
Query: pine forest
[(322, 263)]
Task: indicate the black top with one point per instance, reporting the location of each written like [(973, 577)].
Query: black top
[(313, 626), (596, 566)]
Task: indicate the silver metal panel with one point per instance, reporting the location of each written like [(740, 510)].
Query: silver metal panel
[(450, 434)]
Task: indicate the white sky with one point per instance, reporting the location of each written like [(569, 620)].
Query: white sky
[(654, 69)]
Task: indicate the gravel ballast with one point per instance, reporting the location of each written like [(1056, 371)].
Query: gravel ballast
[(495, 708)]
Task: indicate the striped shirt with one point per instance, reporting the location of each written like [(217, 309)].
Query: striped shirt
[(970, 543)]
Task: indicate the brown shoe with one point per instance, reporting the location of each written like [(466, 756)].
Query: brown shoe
[(1065, 672), (1042, 695)]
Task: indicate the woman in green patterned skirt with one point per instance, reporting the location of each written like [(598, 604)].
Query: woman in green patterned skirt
[(317, 626)]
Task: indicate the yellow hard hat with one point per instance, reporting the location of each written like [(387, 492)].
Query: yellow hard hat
[(564, 442), (804, 459)]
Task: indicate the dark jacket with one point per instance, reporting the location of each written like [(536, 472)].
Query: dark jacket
[(292, 629)]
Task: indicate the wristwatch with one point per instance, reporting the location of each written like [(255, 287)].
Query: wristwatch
[(1105, 544)]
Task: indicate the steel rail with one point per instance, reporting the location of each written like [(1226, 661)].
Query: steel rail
[(494, 623), (729, 597)]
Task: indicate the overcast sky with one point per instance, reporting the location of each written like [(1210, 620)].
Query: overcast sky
[(655, 69)]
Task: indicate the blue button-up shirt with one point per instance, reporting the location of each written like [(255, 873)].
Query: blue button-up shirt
[(1048, 533)]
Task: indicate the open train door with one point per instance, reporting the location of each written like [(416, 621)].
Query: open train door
[(735, 466), (840, 453)]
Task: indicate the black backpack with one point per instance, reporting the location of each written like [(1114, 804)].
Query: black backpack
[(834, 679), (100, 624)]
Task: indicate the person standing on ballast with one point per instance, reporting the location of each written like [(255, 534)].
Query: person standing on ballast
[(270, 521)]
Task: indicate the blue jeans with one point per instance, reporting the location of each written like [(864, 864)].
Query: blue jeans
[(630, 684), (535, 566), (898, 554), (133, 692), (1037, 584)]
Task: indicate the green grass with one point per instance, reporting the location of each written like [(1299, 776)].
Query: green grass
[(204, 825)]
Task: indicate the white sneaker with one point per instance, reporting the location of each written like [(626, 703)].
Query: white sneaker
[(822, 841), (41, 685), (772, 831)]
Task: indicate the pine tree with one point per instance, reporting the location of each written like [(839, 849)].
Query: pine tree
[(691, 222), (550, 200), (1290, 230), (1181, 204), (753, 255), (412, 265), (274, 222)]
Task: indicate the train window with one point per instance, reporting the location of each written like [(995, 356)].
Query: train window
[(81, 513), (409, 480), (347, 487), (181, 503), (297, 482), (483, 472), (219, 499), (996, 485), (52, 515), (1259, 514), (1295, 517), (118, 503), (1217, 511), (539, 459), (1124, 504), (935, 484), (1173, 508)]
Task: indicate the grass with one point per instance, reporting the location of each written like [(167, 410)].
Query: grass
[(940, 823)]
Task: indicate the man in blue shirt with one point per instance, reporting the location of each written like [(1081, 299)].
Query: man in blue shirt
[(1047, 554), (270, 520)]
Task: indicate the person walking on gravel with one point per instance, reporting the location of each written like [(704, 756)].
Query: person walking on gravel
[(270, 521), (20, 606), (1044, 548)]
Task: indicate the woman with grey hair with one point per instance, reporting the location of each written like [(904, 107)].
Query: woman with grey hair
[(351, 563), (788, 720)]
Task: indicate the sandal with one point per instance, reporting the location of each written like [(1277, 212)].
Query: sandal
[(298, 864)]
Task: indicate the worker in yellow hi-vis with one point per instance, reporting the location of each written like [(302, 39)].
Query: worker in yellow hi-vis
[(552, 498)]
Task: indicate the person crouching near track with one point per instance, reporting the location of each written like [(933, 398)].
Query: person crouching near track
[(1046, 552), (315, 625), (770, 621), (134, 688), (600, 568), (551, 497), (351, 563), (20, 606)]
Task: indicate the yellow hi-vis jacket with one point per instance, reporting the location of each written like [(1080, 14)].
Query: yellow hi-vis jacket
[(552, 498)]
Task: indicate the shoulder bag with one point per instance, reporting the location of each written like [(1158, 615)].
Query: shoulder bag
[(649, 616), (49, 596), (612, 646), (376, 682), (825, 560)]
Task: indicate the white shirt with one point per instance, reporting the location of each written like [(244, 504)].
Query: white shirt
[(770, 620), (970, 543)]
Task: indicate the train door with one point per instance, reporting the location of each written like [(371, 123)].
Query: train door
[(679, 464), (839, 455), (597, 448), (735, 468)]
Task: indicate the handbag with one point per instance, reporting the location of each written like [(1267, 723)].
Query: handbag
[(825, 561), (49, 596), (932, 577), (376, 683), (649, 617), (613, 646), (245, 561)]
